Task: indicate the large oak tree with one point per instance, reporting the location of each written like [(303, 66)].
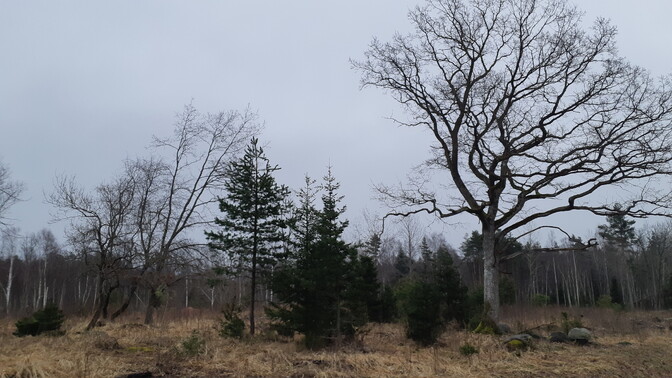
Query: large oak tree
[(532, 115)]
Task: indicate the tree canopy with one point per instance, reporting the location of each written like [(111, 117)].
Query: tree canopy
[(531, 116)]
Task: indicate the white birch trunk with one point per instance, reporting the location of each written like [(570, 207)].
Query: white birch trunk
[(10, 279)]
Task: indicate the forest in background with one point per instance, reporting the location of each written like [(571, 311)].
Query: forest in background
[(119, 257)]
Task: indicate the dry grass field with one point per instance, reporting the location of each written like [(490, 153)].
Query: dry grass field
[(627, 344)]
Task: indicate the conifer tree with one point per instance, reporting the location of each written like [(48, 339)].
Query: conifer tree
[(402, 264), (318, 290), (372, 246), (619, 232), (253, 223), (449, 284)]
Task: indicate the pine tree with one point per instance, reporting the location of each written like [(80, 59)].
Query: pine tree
[(619, 232), (253, 223)]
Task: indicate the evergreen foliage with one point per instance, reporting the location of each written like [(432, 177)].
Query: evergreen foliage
[(615, 291), (232, 325), (388, 306), (402, 264), (323, 289), (366, 292), (432, 297), (619, 232), (49, 319), (372, 246), (194, 345), (420, 303), (507, 291), (253, 223), (447, 279)]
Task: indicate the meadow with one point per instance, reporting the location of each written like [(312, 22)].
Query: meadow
[(625, 344)]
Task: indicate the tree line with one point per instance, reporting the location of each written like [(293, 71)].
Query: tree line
[(275, 248)]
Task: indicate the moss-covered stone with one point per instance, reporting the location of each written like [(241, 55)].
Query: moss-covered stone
[(487, 326), (516, 345)]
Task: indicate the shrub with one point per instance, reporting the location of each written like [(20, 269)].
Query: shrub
[(541, 300), (566, 323), (468, 349), (604, 301), (49, 319), (194, 344), (232, 325), (27, 326)]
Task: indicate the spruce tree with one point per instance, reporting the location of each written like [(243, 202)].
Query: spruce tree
[(372, 246), (318, 288), (619, 232), (253, 217), (449, 284)]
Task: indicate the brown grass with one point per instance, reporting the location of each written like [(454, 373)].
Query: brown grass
[(382, 351)]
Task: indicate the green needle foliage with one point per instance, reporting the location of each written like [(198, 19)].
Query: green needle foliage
[(49, 319), (253, 220), (323, 288)]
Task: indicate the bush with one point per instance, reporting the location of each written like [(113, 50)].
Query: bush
[(604, 301), (194, 344), (27, 326), (468, 349), (49, 319), (541, 300), (567, 323), (232, 325)]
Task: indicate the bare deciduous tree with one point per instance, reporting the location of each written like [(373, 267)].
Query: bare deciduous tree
[(10, 192), (531, 116), (100, 231), (176, 191)]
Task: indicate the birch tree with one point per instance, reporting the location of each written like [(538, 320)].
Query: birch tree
[(175, 197)]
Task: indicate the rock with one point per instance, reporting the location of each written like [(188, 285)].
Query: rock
[(516, 345), (579, 335), (487, 326), (504, 328), (517, 342), (559, 337)]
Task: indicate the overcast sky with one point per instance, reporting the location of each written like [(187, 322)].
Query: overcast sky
[(85, 84)]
